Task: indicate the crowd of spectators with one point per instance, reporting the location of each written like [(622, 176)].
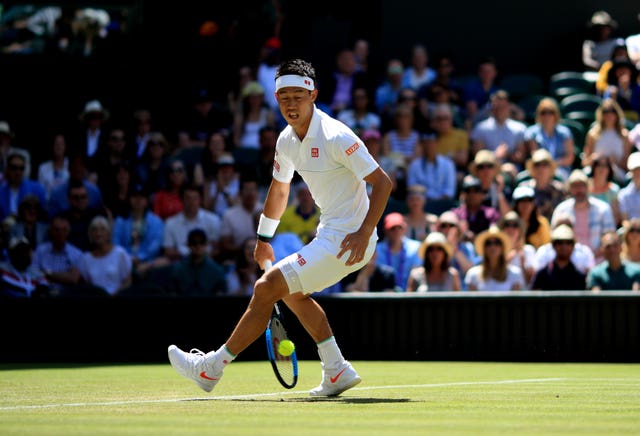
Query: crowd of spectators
[(486, 196)]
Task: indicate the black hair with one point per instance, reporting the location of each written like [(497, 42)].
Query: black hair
[(297, 67)]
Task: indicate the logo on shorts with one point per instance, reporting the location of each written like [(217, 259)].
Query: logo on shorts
[(301, 260), (276, 165), (315, 152), (352, 149)]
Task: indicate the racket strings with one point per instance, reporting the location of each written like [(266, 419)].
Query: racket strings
[(284, 364)]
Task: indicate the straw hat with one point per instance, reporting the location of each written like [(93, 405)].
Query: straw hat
[(512, 216), (94, 107), (541, 155), (493, 232), (602, 18), (435, 238), (486, 157)]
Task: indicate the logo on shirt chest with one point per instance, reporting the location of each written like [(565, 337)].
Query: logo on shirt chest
[(315, 152)]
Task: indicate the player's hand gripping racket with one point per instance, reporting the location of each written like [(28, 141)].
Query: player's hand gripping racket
[(285, 367)]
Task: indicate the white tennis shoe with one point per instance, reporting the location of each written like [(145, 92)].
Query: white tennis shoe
[(197, 366), (335, 382)]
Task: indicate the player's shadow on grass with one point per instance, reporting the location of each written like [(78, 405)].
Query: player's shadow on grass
[(348, 400)]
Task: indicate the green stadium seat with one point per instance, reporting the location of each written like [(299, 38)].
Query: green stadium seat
[(580, 102), (567, 83)]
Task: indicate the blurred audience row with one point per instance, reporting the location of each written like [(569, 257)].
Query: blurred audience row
[(488, 194)]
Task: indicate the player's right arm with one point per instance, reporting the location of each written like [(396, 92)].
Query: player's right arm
[(277, 198), (274, 206)]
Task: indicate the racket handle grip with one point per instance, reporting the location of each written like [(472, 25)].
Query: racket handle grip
[(267, 264)]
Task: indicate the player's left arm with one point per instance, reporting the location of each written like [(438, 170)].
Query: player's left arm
[(358, 241)]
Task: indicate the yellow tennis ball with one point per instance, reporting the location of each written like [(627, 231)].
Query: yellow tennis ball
[(286, 347)]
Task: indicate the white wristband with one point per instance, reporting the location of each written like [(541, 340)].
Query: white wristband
[(267, 226)]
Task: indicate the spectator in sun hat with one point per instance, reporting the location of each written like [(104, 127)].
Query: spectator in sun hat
[(581, 256), (560, 273), (485, 166), (7, 138), (592, 216), (629, 196), (91, 131), (464, 253), (597, 48), (521, 254), (549, 191), (252, 115), (397, 250), (494, 273), (435, 273)]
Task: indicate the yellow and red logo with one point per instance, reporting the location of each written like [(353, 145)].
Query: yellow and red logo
[(352, 149)]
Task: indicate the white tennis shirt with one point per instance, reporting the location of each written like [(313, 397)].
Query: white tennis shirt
[(333, 161)]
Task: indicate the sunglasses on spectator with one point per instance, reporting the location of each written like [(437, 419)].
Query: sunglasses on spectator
[(484, 166), (195, 243), (16, 167), (490, 242), (177, 169), (544, 163), (446, 225), (511, 225), (434, 248), (608, 111), (116, 137), (563, 242), (547, 112)]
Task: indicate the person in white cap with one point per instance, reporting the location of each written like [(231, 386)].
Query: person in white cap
[(560, 274), (336, 166), (629, 196)]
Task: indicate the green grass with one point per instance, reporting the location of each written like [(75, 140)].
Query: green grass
[(395, 398)]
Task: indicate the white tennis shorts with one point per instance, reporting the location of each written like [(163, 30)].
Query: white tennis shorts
[(316, 267)]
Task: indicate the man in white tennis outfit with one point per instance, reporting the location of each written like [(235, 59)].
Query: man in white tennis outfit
[(335, 165)]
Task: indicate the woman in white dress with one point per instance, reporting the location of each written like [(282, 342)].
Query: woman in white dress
[(494, 273)]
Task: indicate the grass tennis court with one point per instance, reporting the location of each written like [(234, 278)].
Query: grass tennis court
[(394, 398)]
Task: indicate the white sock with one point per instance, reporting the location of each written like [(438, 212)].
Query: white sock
[(330, 353), (222, 356)]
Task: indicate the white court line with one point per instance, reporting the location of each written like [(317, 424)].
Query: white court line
[(275, 394)]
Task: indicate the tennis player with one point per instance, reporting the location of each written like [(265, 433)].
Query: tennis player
[(335, 164)]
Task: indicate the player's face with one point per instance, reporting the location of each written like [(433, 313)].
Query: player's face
[(296, 105)]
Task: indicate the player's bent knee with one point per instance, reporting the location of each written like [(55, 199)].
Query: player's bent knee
[(271, 287)]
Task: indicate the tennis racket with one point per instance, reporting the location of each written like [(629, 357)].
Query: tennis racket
[(284, 367)]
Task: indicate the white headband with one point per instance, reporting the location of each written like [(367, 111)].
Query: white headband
[(294, 80)]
